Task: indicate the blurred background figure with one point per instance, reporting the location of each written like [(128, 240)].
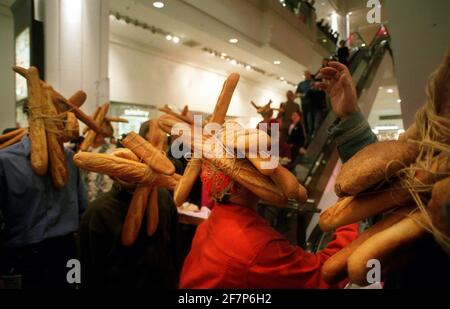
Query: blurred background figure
[(343, 53)]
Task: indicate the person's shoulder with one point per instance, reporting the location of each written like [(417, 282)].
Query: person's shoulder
[(15, 150)]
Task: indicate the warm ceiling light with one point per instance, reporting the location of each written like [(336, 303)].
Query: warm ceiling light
[(324, 40), (399, 101), (390, 91), (169, 37), (350, 13), (277, 62), (233, 62), (233, 41), (282, 78), (363, 45), (223, 54), (248, 67), (158, 4), (176, 39)]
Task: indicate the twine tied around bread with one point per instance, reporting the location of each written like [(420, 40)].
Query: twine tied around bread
[(434, 133)]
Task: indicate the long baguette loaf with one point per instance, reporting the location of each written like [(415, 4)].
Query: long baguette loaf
[(289, 184), (244, 173), (116, 119), (148, 154), (125, 153), (126, 170), (187, 181), (166, 109), (353, 209), (152, 212), (373, 164), (15, 139), (334, 269), (86, 119), (135, 215), (58, 166), (440, 199), (90, 135), (12, 134), (384, 245), (39, 151), (223, 102), (71, 128)]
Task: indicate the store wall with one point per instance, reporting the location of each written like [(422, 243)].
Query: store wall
[(145, 77), (7, 100)]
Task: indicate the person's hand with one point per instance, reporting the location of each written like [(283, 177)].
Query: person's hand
[(338, 83)]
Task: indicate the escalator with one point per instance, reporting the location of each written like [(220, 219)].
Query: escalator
[(293, 221), (363, 66)]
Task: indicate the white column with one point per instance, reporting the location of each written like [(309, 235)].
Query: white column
[(7, 94), (76, 48)]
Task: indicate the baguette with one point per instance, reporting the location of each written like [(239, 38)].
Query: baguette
[(148, 154), (86, 119), (335, 268), (187, 181), (125, 153), (116, 119), (353, 209), (152, 212), (71, 128), (90, 135), (384, 246), (58, 166), (17, 138), (244, 173), (223, 102), (440, 199), (38, 138), (126, 170), (289, 184), (373, 164), (135, 214), (166, 109), (12, 134)]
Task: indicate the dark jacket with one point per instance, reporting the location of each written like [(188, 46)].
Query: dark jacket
[(151, 262), (297, 136)]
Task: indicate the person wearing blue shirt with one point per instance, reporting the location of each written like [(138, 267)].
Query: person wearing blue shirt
[(40, 221)]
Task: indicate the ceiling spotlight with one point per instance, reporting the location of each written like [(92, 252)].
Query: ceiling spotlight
[(223, 54), (176, 40), (350, 13), (277, 62), (169, 37), (390, 91), (282, 78), (233, 41), (363, 45), (248, 67), (158, 4), (399, 100), (324, 40), (233, 62)]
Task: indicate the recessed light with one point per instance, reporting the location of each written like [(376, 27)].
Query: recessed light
[(248, 67), (363, 45), (281, 78), (233, 62), (350, 13), (233, 41), (223, 54), (390, 91), (324, 40), (176, 40), (158, 4), (399, 101), (169, 37), (277, 62)]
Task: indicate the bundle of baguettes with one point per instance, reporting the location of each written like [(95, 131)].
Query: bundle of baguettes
[(389, 176), (142, 165), (270, 182)]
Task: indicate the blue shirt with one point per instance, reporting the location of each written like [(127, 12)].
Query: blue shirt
[(33, 210), (303, 88)]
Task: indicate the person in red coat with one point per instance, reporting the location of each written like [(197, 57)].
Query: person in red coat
[(235, 248)]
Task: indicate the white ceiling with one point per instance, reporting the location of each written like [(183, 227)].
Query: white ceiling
[(210, 36)]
